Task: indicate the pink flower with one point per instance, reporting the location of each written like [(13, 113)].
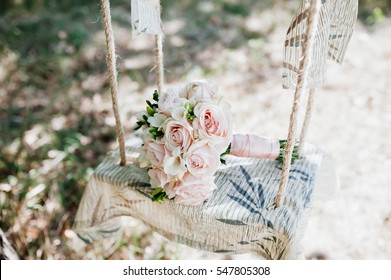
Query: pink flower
[(193, 192), (202, 159), (158, 178), (155, 152), (169, 101), (178, 134), (213, 123), (171, 188), (201, 91)]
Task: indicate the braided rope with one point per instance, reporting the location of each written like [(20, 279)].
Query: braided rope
[(307, 120), (111, 63), (302, 77)]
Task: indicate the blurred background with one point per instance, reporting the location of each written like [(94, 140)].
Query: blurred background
[(56, 123)]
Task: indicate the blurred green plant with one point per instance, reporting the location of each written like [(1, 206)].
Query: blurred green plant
[(374, 11), (376, 16)]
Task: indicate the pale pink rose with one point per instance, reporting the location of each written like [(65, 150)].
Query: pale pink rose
[(201, 91), (155, 152), (171, 188), (214, 123), (169, 101), (202, 159), (178, 134), (158, 178), (193, 192)]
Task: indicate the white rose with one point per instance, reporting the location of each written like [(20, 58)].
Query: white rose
[(174, 164), (157, 120)]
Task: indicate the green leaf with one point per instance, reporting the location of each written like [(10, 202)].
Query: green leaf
[(156, 96), (149, 103), (190, 116), (158, 195), (190, 111), (156, 133), (150, 111), (295, 152), (139, 125), (227, 152)]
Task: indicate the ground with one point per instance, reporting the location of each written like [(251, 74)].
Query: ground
[(57, 125)]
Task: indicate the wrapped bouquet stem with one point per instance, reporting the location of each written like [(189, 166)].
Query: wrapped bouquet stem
[(250, 145), (254, 146)]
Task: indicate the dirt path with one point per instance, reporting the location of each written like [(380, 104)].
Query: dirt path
[(353, 124)]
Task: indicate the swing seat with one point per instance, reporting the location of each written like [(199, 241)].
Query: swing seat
[(240, 217)]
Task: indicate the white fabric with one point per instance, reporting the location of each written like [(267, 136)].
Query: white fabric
[(145, 16), (335, 27)]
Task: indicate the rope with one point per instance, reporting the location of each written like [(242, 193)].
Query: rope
[(307, 120), (302, 77), (111, 63), (159, 62)]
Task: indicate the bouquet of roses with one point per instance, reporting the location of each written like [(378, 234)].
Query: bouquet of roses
[(186, 133)]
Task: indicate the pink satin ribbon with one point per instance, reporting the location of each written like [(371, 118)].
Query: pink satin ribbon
[(250, 145)]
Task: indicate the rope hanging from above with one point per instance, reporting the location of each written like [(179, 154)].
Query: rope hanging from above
[(302, 79), (307, 118), (304, 65), (111, 62), (159, 62), (145, 19)]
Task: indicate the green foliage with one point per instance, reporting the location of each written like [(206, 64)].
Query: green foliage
[(295, 151), (376, 16), (156, 96), (373, 11), (158, 195), (156, 133)]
